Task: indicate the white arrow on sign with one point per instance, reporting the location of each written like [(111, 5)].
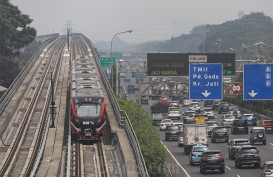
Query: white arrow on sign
[(206, 93), (252, 93)]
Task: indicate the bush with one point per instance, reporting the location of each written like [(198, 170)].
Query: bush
[(151, 147)]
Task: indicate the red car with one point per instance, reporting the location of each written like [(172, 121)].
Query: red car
[(164, 100), (268, 125)]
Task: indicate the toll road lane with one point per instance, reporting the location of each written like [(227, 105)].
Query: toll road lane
[(193, 171)]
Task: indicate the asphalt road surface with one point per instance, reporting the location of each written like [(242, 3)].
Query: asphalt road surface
[(266, 151)]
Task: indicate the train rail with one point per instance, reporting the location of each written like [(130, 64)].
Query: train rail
[(29, 117), (89, 160)]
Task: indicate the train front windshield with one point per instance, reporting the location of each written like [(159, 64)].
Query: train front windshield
[(88, 110)]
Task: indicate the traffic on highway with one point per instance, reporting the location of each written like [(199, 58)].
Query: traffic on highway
[(209, 137)]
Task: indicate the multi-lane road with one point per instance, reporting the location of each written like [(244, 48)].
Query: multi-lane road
[(266, 151)]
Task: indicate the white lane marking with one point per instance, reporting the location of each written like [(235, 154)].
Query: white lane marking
[(176, 160), (271, 144), (238, 175), (228, 168)]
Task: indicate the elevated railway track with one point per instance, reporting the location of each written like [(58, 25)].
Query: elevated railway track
[(30, 148)]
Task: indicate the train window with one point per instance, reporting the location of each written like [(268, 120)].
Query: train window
[(88, 110)]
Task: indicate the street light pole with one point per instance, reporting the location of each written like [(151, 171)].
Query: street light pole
[(112, 80), (218, 42)]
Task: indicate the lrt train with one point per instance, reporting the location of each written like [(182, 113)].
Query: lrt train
[(88, 118)]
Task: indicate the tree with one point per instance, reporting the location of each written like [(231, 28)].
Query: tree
[(9, 70), (15, 31)]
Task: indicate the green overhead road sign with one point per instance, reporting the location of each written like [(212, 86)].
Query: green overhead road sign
[(138, 75), (107, 61)]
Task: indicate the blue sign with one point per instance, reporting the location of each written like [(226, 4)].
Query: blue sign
[(258, 82), (206, 81)]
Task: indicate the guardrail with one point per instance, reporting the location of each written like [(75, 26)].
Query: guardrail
[(18, 80), (122, 120)]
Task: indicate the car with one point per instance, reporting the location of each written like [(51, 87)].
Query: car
[(239, 125), (215, 104), (234, 145), (173, 109), (200, 118), (180, 140), (212, 160), (164, 123), (188, 117), (237, 113), (250, 119), (174, 104), (164, 100), (144, 100), (219, 133), (174, 114), (196, 152), (127, 79), (235, 110), (194, 106), (247, 155), (188, 120), (257, 134), (227, 120), (180, 126), (267, 169), (209, 112), (208, 103), (223, 108), (130, 89), (186, 102), (136, 88), (172, 132), (268, 125), (210, 126), (122, 74)]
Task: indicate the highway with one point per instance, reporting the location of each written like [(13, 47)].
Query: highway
[(266, 151)]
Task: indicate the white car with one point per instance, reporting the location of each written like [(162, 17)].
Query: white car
[(209, 112), (174, 115), (227, 120), (180, 125), (194, 106), (164, 123)]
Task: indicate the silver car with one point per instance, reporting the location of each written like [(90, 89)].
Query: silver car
[(210, 126), (227, 120), (164, 123), (267, 169), (180, 140)]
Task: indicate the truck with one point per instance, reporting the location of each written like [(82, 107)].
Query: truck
[(194, 134), (158, 112)]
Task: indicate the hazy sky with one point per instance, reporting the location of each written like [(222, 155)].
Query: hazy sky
[(149, 19)]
